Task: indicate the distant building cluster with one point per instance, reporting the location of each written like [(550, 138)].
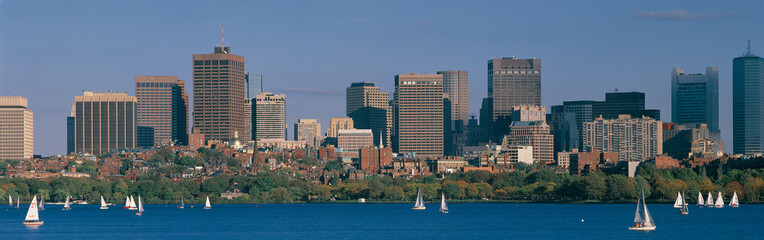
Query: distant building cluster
[(423, 127)]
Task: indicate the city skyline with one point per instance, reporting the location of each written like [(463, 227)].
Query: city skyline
[(49, 83)]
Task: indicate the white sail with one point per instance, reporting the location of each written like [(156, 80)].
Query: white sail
[(41, 206), (642, 219), (719, 201), (32, 214), (679, 200), (10, 200), (127, 202), (648, 218), (140, 204), (700, 199), (18, 200), (66, 204), (181, 202), (132, 203), (443, 206), (103, 203), (734, 201), (419, 205), (710, 200), (207, 204)]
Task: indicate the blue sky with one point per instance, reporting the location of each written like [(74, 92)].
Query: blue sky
[(312, 50)]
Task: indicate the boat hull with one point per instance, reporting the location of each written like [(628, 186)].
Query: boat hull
[(38, 223), (132, 208), (66, 209), (443, 211), (104, 208), (642, 228), (718, 206), (419, 208), (139, 214), (207, 208)]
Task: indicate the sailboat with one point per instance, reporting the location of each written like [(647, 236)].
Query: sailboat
[(181, 203), (18, 201), (66, 204), (443, 206), (127, 203), (10, 200), (140, 207), (733, 202), (719, 201), (642, 219), (700, 199), (419, 205), (710, 200), (42, 203), (684, 210), (132, 204), (33, 217), (679, 200), (103, 203), (207, 204)]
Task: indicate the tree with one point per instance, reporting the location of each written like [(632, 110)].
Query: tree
[(595, 186)]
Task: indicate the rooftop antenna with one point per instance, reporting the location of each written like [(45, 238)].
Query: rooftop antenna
[(748, 47), (222, 39)]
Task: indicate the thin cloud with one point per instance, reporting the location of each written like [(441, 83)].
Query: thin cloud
[(310, 91), (677, 15), (425, 24)]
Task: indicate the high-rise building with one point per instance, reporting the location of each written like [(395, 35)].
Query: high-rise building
[(308, 130), (455, 84), (535, 134), (249, 123), (162, 105), (270, 116), (748, 104), (695, 97), (104, 122), (354, 139), (634, 139), (254, 84), (219, 93), (678, 140), (419, 114), (17, 128), (370, 109), (512, 82), (528, 113), (336, 124), (618, 103)]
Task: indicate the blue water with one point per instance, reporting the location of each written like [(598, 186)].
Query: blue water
[(384, 221)]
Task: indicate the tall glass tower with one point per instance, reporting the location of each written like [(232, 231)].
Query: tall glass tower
[(747, 107), (695, 97)]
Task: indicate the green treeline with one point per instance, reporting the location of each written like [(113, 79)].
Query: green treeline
[(741, 176)]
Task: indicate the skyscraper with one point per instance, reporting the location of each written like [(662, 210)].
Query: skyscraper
[(455, 84), (695, 98), (103, 122), (336, 124), (16, 128), (162, 104), (748, 104), (618, 103), (419, 114), (219, 93), (270, 116), (254, 84), (308, 130), (512, 82), (249, 122), (535, 134), (370, 109)]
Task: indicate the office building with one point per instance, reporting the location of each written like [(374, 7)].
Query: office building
[(308, 130), (163, 106), (535, 134), (455, 85), (336, 124), (512, 82), (254, 85), (418, 114), (103, 122), (695, 97), (370, 109), (270, 116), (748, 104), (249, 123), (618, 103), (352, 140), (634, 139), (219, 92), (17, 128), (678, 140)]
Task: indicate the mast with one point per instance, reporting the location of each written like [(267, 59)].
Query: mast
[(32, 214), (637, 214), (140, 204)]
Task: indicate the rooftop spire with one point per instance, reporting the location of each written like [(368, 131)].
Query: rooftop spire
[(222, 37)]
